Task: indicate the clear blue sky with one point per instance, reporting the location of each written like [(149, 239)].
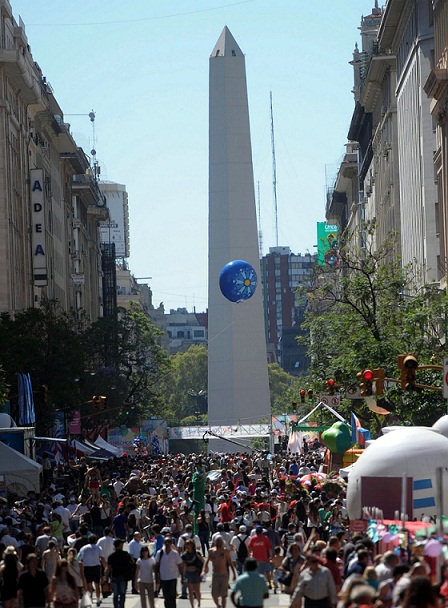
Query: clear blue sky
[(142, 66)]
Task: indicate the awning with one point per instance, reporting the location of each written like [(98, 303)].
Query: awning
[(50, 439)]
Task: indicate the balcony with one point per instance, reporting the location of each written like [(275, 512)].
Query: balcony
[(21, 73)]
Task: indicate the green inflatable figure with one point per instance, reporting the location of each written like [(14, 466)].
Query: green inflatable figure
[(338, 438), (198, 480)]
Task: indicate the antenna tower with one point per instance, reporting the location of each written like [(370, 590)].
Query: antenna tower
[(274, 172), (260, 233)]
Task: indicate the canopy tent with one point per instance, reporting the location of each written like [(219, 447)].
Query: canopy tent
[(82, 447), (21, 474), (102, 443)]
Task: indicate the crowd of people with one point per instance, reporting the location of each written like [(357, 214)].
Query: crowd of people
[(143, 523)]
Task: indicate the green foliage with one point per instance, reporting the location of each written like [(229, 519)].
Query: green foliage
[(284, 389), (184, 388), (119, 359), (363, 315)]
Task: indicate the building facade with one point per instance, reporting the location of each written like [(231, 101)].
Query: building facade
[(283, 273), (436, 88), (50, 204)]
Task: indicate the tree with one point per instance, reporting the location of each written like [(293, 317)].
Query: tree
[(284, 389), (43, 342), (184, 387), (128, 363), (363, 314), (108, 370)]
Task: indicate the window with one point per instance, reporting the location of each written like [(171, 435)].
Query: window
[(198, 333)]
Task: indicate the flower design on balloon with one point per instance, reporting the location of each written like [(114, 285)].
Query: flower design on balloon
[(238, 281)]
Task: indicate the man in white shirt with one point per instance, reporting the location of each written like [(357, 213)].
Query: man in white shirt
[(92, 559), (118, 486), (169, 565), (106, 543), (134, 548)]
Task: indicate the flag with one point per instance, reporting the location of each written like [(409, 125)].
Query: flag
[(359, 435)]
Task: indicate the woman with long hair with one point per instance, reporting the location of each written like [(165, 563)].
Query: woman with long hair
[(313, 520), (63, 589), (74, 567), (144, 577), (203, 526), (176, 524), (193, 563), (420, 594), (50, 558), (9, 575)]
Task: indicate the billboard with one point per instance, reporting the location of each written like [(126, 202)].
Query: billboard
[(327, 244), (116, 230)]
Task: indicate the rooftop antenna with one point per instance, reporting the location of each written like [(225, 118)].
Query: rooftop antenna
[(260, 233), (96, 167), (274, 172)]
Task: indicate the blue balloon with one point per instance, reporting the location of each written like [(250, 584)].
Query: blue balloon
[(238, 281)]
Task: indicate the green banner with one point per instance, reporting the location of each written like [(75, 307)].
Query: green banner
[(327, 244)]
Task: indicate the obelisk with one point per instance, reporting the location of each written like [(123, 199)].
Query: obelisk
[(238, 388)]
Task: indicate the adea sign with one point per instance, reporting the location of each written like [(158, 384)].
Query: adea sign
[(40, 276)]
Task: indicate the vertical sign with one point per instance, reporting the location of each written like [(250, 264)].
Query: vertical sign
[(327, 244), (445, 377), (39, 252)]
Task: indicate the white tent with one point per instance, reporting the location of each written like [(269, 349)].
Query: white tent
[(102, 443), (82, 447), (20, 473)]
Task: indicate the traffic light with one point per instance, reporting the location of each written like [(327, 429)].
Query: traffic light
[(408, 365), (302, 396), (310, 395), (99, 401), (294, 407), (366, 378), (379, 376), (331, 386)]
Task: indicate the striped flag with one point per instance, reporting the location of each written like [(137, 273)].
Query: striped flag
[(359, 435)]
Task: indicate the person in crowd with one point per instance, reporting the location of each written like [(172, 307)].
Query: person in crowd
[(9, 576), (203, 527), (134, 548), (50, 558), (193, 564), (64, 591), (75, 569), (420, 594), (260, 548), (219, 557), (92, 559), (169, 566), (250, 588), (144, 577), (93, 481), (315, 586), (33, 588), (120, 569)]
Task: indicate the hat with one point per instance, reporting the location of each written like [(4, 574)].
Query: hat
[(259, 529), (166, 530), (242, 529)]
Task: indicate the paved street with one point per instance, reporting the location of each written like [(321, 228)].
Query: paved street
[(133, 601)]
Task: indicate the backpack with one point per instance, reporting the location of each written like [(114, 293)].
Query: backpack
[(242, 552)]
